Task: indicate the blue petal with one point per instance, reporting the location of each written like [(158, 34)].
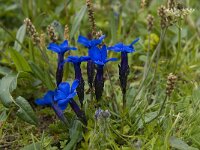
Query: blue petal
[(111, 59), (73, 59), (74, 85), (70, 96), (59, 95), (103, 53), (84, 58), (128, 49), (99, 63), (83, 40), (64, 87), (54, 47), (46, 100), (102, 37), (64, 45), (71, 48), (63, 104), (95, 54), (136, 40)]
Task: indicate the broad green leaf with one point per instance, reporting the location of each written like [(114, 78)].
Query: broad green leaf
[(19, 61), (5, 70), (7, 85), (179, 144), (77, 20), (33, 146), (25, 111), (20, 37)]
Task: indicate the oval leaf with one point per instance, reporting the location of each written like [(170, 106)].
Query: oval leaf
[(19, 61), (25, 111), (20, 37), (7, 85)]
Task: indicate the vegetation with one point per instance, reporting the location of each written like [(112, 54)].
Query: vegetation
[(149, 101)]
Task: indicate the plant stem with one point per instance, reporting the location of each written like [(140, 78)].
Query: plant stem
[(160, 111), (179, 46), (162, 35)]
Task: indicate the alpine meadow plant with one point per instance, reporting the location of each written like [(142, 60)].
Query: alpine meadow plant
[(124, 66), (60, 50), (78, 74), (99, 57)]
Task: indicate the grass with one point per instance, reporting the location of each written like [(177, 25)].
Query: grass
[(176, 127)]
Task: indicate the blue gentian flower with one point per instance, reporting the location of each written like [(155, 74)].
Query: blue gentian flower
[(123, 67), (78, 74), (48, 100), (90, 43), (99, 57), (60, 50), (64, 94)]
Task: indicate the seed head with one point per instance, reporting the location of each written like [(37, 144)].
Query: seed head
[(171, 80), (171, 4), (91, 16), (52, 34), (66, 32), (163, 16), (32, 31), (150, 20)]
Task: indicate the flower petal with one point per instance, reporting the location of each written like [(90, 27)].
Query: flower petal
[(84, 58), (103, 53), (111, 59), (83, 40), (74, 85), (64, 44), (59, 95), (64, 87), (46, 100), (99, 63), (95, 54), (136, 40), (62, 104), (54, 47), (72, 48), (70, 96)]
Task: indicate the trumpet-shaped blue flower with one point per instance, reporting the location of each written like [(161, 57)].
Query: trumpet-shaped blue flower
[(120, 47), (99, 55), (90, 43), (123, 67), (48, 100), (78, 74), (62, 48), (63, 94)]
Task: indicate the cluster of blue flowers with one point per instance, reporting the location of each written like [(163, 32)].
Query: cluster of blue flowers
[(97, 55)]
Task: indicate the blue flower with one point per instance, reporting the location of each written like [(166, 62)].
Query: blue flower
[(48, 100), (60, 49), (120, 47), (99, 56), (64, 94), (78, 74), (90, 43), (76, 59)]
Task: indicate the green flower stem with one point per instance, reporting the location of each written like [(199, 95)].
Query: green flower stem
[(162, 35), (179, 46), (160, 111)]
